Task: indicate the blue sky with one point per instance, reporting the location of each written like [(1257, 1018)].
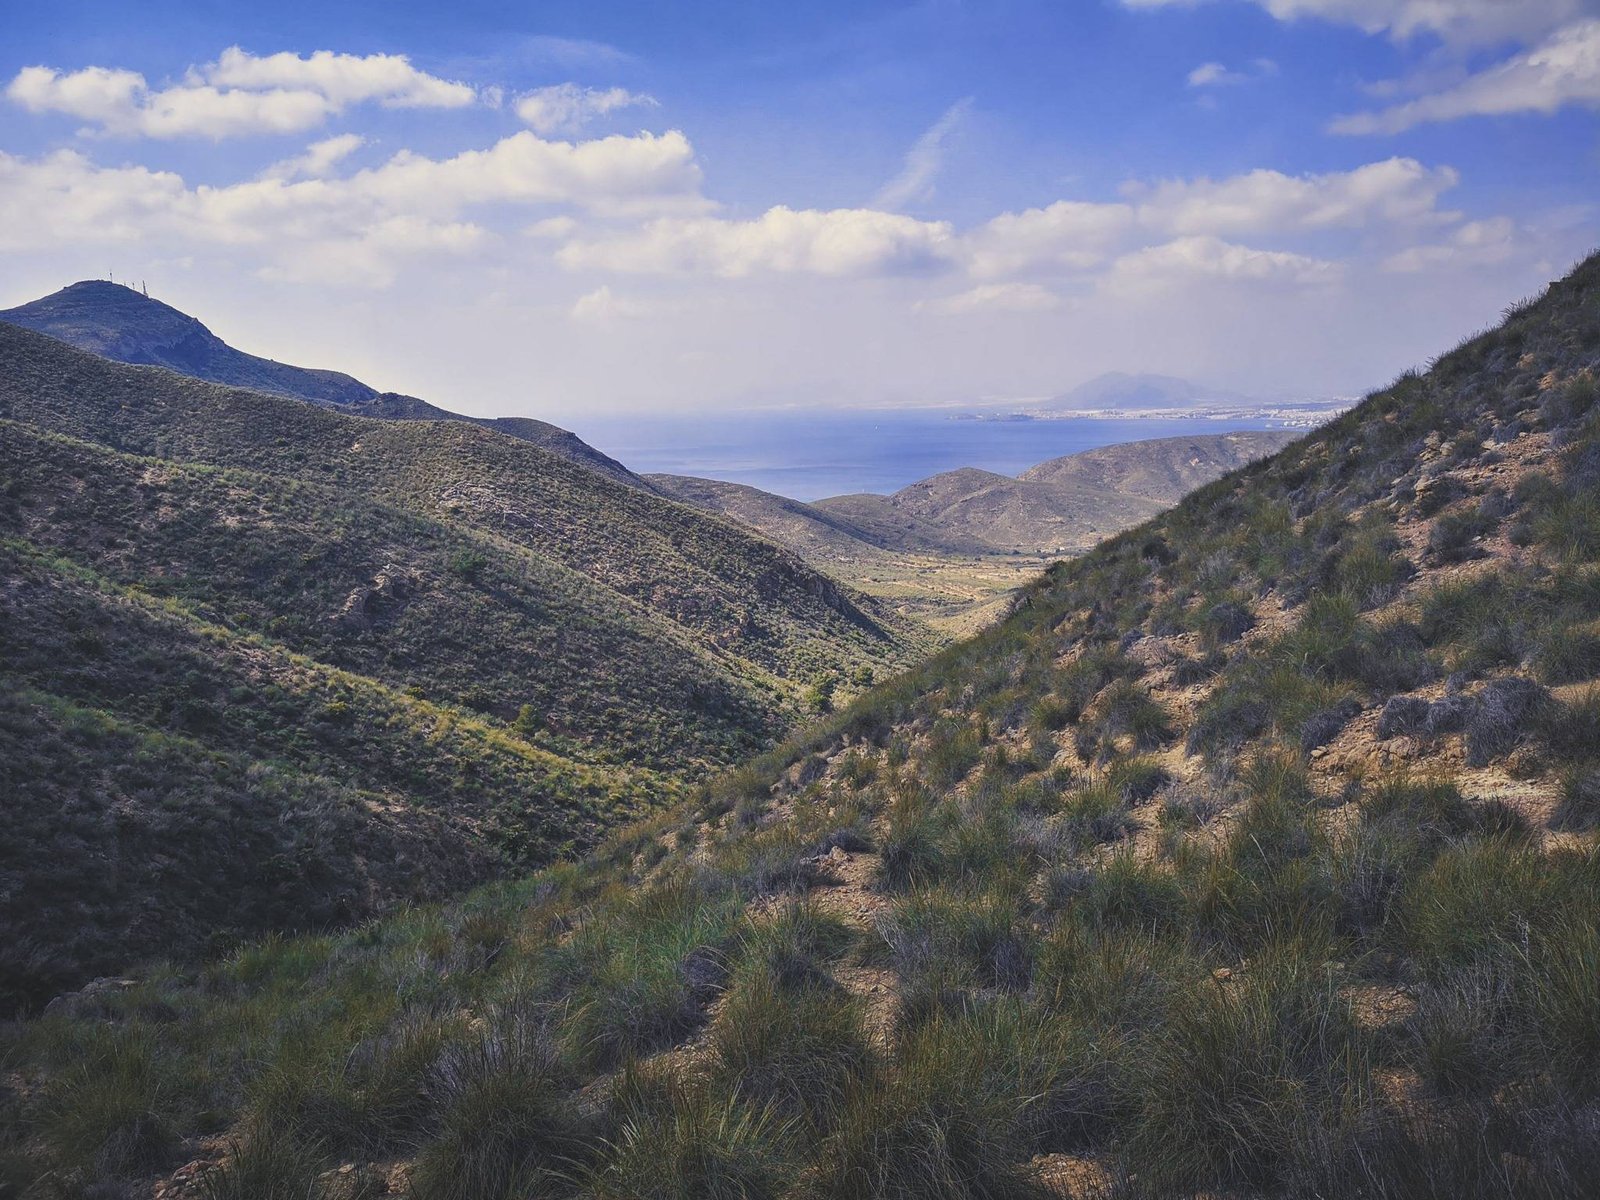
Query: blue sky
[(568, 208)]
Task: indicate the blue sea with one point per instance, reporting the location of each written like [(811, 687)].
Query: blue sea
[(809, 455)]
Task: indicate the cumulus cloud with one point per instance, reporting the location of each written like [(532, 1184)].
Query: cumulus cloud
[(1472, 244), (1563, 70), (923, 161), (1461, 22), (566, 107), (993, 297), (318, 159), (302, 223), (1068, 235), (238, 94), (616, 173), (344, 79), (1181, 222), (1212, 260), (844, 241), (1396, 190)]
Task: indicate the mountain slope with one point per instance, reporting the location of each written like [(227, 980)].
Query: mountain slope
[(120, 323), (1161, 469), (804, 528), (1064, 504), (1255, 854), (419, 654)]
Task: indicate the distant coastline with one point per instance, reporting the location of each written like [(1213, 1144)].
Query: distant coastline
[(810, 456), (1276, 416)]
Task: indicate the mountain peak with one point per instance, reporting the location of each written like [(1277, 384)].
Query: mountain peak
[(122, 323), (1143, 390)]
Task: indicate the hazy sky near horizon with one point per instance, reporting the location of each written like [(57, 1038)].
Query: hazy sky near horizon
[(565, 208)]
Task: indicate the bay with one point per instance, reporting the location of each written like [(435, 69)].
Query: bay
[(810, 455)]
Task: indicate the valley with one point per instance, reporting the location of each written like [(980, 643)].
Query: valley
[(1253, 852)]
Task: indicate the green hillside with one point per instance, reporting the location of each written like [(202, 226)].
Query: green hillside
[(419, 653), (1257, 853)]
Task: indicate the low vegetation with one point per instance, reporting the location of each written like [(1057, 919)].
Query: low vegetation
[(269, 667), (1123, 898)]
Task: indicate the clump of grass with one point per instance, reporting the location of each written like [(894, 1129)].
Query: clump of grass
[(911, 855), (1096, 813), (1125, 709), (641, 973), (672, 1138), (504, 1127), (111, 1113), (794, 1048), (942, 945), (1247, 1076), (1455, 536), (1125, 894), (1137, 780), (1508, 712), (261, 1166), (972, 1096), (953, 749), (1580, 799)]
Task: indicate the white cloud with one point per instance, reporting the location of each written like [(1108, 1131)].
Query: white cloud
[(573, 52), (1215, 74), (1071, 235), (1212, 260), (1462, 22), (566, 106), (1563, 70), (1472, 244), (844, 241), (602, 305), (318, 159), (552, 228), (1396, 190), (343, 79), (350, 228), (238, 94), (993, 297), (923, 161), (615, 173), (1210, 74)]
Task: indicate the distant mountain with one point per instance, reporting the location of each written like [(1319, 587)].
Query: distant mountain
[(1160, 469), (1144, 391), (1064, 504), (121, 323)]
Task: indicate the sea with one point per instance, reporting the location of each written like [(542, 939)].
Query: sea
[(810, 455)]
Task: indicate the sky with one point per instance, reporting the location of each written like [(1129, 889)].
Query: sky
[(565, 209)]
